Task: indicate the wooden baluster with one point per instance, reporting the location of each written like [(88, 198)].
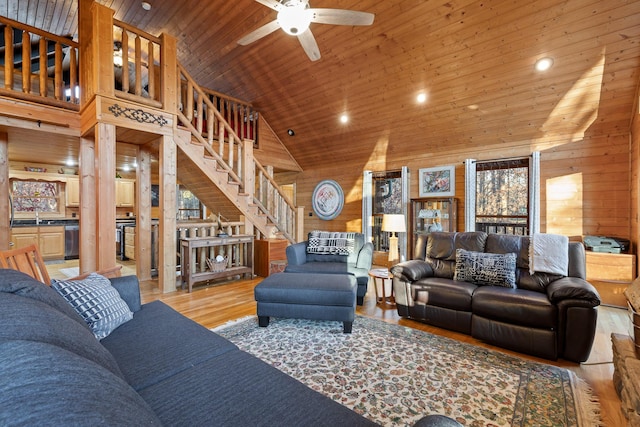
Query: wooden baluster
[(58, 83), (73, 73), (199, 114), (138, 65), (26, 63), (210, 120), (8, 57), (151, 79), (188, 108), (42, 72), (125, 61)]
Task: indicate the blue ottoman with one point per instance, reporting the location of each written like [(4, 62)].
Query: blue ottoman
[(307, 296)]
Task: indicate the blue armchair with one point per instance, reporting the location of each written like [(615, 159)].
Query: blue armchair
[(357, 262)]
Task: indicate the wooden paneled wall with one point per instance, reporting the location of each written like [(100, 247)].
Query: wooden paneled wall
[(585, 184)]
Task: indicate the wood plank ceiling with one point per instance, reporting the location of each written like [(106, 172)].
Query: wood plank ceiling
[(474, 59)]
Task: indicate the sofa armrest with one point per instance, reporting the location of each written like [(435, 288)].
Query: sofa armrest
[(129, 289), (575, 288), (412, 270), (297, 253), (365, 256)]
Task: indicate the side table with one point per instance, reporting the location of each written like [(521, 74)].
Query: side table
[(382, 274)]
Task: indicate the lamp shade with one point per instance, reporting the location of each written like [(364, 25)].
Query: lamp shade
[(393, 223)]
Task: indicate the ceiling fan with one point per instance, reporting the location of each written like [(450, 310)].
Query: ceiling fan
[(295, 16)]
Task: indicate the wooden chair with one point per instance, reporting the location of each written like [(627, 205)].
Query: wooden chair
[(28, 260)]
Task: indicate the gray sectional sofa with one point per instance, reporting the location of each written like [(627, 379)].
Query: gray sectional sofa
[(356, 263), (159, 368)]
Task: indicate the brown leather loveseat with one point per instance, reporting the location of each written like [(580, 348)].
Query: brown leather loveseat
[(541, 314)]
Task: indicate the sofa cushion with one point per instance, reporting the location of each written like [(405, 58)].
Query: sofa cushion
[(178, 343), (238, 389), (43, 384), (515, 306), (16, 282), (444, 293), (99, 303), (32, 320), (486, 268)]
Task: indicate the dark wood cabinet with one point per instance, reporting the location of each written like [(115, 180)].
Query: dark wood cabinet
[(267, 251), (429, 214)]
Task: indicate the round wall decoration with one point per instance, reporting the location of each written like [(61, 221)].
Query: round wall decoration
[(328, 199)]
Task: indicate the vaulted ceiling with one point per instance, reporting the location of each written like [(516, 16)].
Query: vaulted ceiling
[(473, 59)]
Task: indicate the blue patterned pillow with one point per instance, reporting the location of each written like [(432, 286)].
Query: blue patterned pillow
[(97, 302), (484, 268)]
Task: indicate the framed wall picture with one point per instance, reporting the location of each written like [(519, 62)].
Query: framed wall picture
[(437, 182), (327, 199)]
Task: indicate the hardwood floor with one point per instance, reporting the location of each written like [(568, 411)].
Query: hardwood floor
[(214, 305)]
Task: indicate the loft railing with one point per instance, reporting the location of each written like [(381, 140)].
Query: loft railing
[(137, 61), (38, 66), (200, 114)]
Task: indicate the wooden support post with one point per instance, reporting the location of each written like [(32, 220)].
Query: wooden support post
[(5, 206), (167, 244), (106, 195), (88, 211), (143, 214), (249, 180), (300, 237)]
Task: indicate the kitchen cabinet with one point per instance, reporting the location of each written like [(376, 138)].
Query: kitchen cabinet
[(130, 242), (50, 240), (72, 192), (428, 214), (125, 193), (267, 251)]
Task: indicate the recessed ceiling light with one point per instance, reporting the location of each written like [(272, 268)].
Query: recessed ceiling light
[(543, 64), (421, 98), (290, 132), (344, 118), (146, 5)]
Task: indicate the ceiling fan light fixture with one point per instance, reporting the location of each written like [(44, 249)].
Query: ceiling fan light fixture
[(294, 20)]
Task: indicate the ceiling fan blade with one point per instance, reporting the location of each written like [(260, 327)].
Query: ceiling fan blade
[(273, 4), (341, 17), (309, 45), (265, 30)]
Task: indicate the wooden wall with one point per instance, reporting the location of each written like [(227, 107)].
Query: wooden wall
[(585, 184)]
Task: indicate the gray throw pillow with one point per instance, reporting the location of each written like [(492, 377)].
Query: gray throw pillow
[(97, 302), (486, 268)]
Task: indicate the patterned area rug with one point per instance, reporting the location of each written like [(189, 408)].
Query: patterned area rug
[(395, 375)]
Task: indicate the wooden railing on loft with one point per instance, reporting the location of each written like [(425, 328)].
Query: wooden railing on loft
[(49, 76), (208, 125), (136, 68)]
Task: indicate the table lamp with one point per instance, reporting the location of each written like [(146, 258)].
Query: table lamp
[(393, 223)]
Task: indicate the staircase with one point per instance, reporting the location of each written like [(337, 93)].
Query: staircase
[(220, 168)]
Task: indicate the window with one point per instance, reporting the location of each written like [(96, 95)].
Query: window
[(188, 205), (502, 196), (35, 196)]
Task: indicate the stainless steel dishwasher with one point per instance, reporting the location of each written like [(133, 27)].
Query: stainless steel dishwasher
[(71, 241)]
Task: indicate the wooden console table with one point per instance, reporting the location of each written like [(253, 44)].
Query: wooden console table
[(194, 251)]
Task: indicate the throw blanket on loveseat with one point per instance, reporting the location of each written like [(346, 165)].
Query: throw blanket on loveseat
[(328, 242)]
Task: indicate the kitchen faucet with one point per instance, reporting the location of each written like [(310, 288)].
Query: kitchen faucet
[(37, 217)]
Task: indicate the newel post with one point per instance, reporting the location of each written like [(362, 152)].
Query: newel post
[(95, 35)]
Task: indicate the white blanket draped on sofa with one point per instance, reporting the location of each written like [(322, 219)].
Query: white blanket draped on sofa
[(549, 253)]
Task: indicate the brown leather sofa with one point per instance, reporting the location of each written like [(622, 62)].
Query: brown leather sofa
[(545, 315)]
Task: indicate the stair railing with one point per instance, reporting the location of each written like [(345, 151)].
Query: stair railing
[(198, 113), (39, 66)]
